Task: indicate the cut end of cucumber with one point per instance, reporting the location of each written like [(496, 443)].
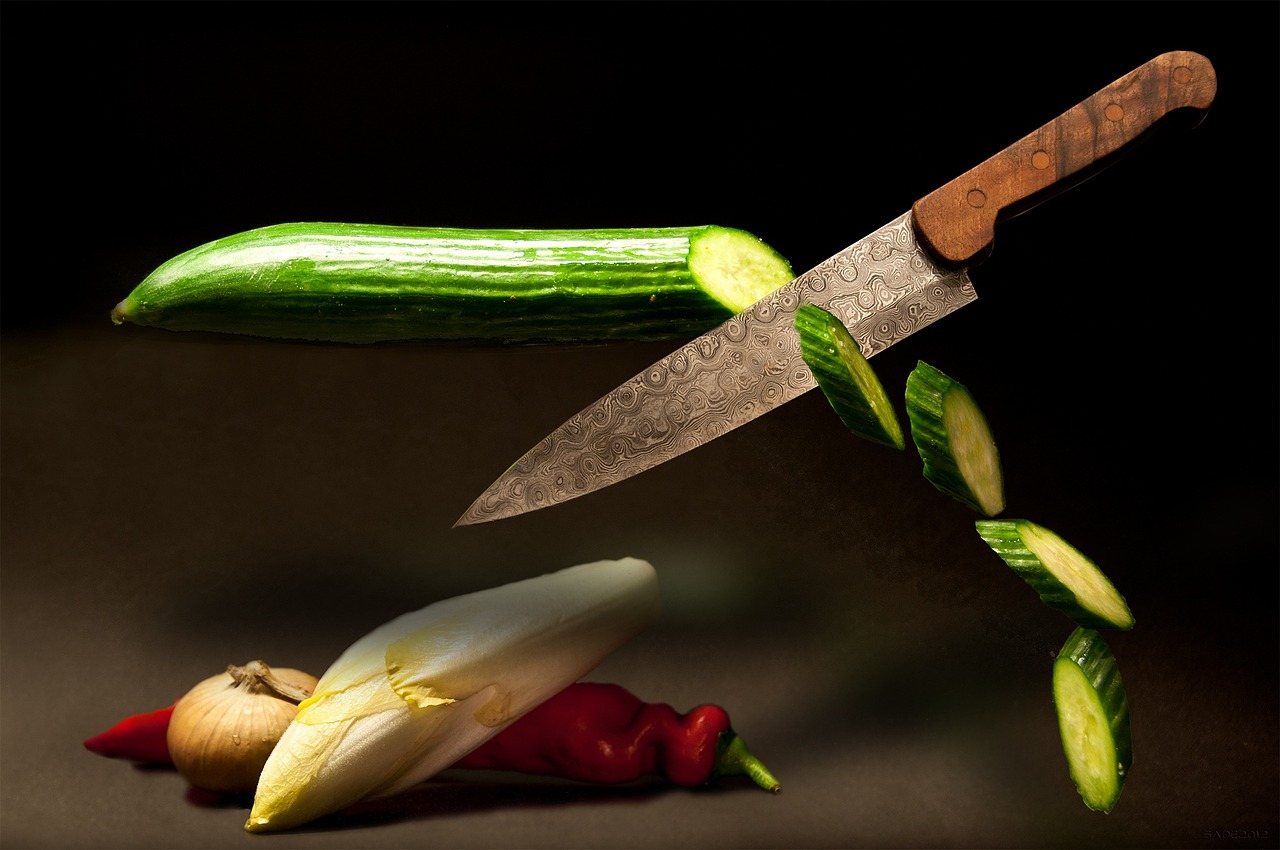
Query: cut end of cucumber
[(974, 449), (735, 267), (846, 377), (954, 440), (1093, 718), (1086, 737), (1091, 588)]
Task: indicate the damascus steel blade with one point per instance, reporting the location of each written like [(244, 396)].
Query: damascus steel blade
[(884, 288)]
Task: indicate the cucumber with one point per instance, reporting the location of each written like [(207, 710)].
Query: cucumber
[(954, 440), (365, 283), (1093, 718), (1063, 576), (846, 377)]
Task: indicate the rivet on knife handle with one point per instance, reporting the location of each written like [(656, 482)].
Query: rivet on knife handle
[(957, 221)]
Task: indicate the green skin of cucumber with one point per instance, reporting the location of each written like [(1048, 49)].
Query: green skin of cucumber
[(1086, 724), (846, 377), (361, 283)]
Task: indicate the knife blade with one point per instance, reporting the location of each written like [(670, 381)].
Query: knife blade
[(884, 287)]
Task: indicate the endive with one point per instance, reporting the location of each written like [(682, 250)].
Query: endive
[(413, 696)]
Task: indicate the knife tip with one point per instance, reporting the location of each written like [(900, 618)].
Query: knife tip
[(474, 515)]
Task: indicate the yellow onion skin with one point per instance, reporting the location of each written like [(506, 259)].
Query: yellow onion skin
[(222, 730)]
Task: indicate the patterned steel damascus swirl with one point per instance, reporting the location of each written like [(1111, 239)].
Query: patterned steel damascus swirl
[(884, 288)]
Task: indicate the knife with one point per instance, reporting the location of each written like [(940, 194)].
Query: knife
[(884, 287)]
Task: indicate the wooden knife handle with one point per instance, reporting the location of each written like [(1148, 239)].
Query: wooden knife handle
[(957, 221)]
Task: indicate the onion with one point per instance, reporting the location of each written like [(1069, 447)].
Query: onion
[(224, 728)]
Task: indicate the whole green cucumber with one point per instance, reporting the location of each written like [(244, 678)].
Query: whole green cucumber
[(366, 283)]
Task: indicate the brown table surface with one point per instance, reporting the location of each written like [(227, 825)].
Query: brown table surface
[(173, 503)]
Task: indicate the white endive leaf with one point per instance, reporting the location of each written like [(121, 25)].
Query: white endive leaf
[(416, 694)]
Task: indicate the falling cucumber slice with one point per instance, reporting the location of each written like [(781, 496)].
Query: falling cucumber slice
[(846, 378), (1093, 718), (954, 440), (1063, 576)]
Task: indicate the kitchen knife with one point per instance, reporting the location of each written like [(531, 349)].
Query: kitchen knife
[(885, 287)]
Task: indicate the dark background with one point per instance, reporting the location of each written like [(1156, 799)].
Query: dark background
[(173, 503)]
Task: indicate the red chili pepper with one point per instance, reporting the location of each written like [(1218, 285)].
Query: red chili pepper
[(603, 733), (589, 732), (140, 738)]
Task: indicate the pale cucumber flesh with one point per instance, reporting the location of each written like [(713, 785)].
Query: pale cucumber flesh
[(735, 267), (954, 440)]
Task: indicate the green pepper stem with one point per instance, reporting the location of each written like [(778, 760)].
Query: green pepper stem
[(734, 759)]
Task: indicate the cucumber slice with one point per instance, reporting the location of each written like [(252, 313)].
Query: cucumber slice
[(954, 440), (1065, 579), (1093, 718), (846, 378)]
